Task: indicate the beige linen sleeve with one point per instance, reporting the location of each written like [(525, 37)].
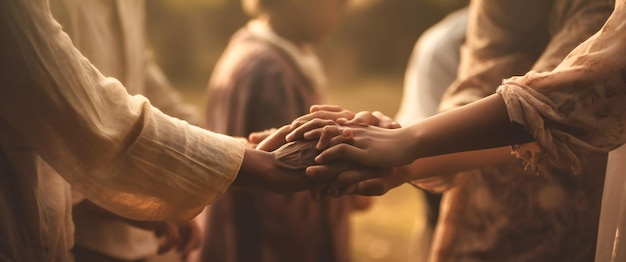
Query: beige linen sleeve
[(117, 149), (580, 104)]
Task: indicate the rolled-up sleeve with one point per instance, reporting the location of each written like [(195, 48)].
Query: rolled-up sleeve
[(579, 105), (117, 149)]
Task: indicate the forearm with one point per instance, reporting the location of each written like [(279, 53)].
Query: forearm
[(455, 162), (480, 125), (255, 164), (119, 151), (280, 171)]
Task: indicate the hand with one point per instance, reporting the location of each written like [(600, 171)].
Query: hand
[(190, 238), (328, 115), (168, 236), (369, 146), (366, 118), (436, 184), (269, 140), (184, 237), (345, 117), (272, 139), (280, 171), (258, 137), (355, 181)]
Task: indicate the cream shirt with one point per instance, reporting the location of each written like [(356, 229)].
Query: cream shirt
[(121, 152), (111, 34), (582, 104)]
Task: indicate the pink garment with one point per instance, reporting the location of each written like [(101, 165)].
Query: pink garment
[(580, 105), (259, 84), (504, 212)]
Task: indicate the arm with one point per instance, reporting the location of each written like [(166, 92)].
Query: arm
[(579, 104), (119, 151), (480, 125), (278, 171), (122, 153), (422, 172)]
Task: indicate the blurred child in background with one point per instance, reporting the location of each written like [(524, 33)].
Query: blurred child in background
[(268, 76)]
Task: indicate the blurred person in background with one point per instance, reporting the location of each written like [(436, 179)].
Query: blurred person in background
[(431, 68), (118, 150), (112, 35), (554, 120), (268, 75), (504, 212)]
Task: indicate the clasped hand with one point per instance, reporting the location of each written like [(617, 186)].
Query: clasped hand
[(342, 152)]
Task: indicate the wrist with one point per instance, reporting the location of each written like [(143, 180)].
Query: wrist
[(415, 136), (255, 164)]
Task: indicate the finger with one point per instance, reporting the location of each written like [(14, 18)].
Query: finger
[(372, 187), (380, 185), (364, 118), (385, 121), (275, 140), (299, 129), (331, 108), (319, 191), (257, 137), (328, 172), (349, 190), (352, 177), (170, 238), (324, 114), (342, 152), (326, 141), (331, 134), (191, 238)]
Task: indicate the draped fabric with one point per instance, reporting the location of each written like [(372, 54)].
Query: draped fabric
[(578, 106), (507, 212), (258, 84)]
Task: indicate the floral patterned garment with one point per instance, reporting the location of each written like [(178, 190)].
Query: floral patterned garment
[(506, 212), (581, 105)]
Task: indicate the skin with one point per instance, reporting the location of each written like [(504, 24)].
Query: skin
[(301, 22), (472, 136), (480, 125), (270, 140), (263, 168), (422, 172)]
